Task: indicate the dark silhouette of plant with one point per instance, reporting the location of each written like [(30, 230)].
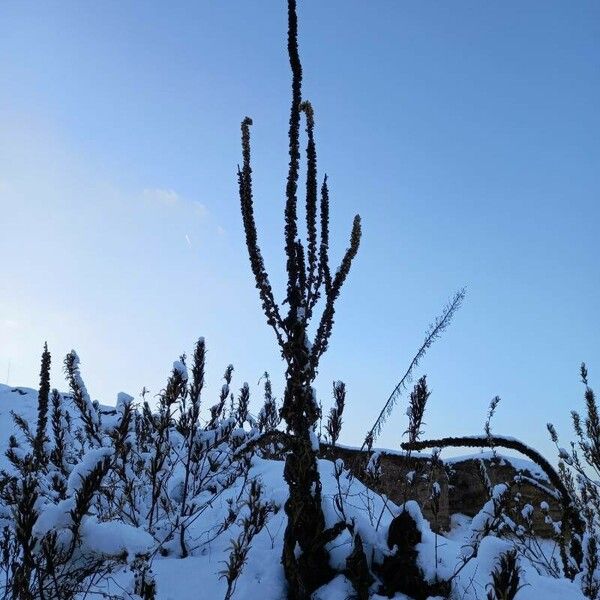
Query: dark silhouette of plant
[(309, 278), (357, 570), (506, 578), (400, 571), (190, 428), (579, 468), (268, 418), (333, 427), (416, 409), (39, 452), (251, 525)]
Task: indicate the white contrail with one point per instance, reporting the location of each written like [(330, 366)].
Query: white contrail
[(187, 239)]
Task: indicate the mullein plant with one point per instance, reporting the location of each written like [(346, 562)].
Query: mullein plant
[(309, 279)]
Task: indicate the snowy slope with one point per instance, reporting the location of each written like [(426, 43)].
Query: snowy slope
[(198, 576), (23, 401), (20, 400)]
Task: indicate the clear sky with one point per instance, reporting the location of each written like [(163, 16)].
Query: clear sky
[(466, 134)]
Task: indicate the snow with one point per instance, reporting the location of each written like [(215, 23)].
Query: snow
[(537, 587), (88, 464), (314, 441), (113, 538), (54, 517), (179, 367), (198, 575), (340, 587), (124, 400), (527, 511)]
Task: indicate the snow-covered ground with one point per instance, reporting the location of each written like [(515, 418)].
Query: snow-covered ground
[(197, 576)]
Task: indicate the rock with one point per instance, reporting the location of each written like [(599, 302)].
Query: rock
[(462, 488), (395, 467), (468, 492)]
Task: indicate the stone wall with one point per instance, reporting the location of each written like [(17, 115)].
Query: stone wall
[(463, 489), (394, 470), (468, 491)]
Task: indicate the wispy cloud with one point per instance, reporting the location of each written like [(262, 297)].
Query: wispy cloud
[(200, 209), (170, 198), (162, 196)]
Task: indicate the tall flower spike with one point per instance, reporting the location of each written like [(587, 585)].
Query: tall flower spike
[(332, 292), (311, 204), (324, 248), (256, 260), (291, 217), (43, 402)]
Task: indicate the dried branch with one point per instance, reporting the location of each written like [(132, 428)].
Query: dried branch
[(434, 331)]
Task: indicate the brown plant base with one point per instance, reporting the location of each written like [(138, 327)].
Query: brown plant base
[(308, 569)]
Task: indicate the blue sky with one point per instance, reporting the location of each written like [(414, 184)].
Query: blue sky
[(466, 134)]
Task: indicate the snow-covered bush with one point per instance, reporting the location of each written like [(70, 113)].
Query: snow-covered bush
[(579, 469), (108, 488)]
